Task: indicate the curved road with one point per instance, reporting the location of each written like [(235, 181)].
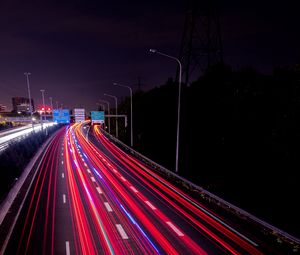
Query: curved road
[(89, 197)]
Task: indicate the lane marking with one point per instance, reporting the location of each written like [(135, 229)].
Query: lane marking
[(99, 190), (115, 170), (62, 162), (89, 171), (93, 179), (150, 205), (108, 208), (67, 248), (122, 231), (176, 230), (64, 198), (62, 154), (123, 179), (108, 164), (62, 175), (134, 189)]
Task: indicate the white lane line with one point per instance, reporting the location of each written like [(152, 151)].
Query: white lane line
[(85, 164), (122, 231), (123, 179), (62, 162), (115, 170), (108, 164), (62, 175), (99, 190), (150, 205), (176, 230), (134, 189), (62, 154), (108, 208), (64, 198), (67, 248), (89, 171), (93, 179)]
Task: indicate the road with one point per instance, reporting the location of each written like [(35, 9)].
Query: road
[(8, 136), (89, 197)]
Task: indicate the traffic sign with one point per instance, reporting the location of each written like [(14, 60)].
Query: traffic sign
[(61, 116), (97, 117)]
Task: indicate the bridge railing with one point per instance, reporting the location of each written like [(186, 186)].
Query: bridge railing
[(279, 234)]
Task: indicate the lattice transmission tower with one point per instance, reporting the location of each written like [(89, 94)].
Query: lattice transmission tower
[(201, 44)]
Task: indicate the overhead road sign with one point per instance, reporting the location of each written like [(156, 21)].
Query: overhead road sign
[(97, 117), (61, 116), (79, 114)]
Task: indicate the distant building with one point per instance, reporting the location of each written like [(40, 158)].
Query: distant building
[(21, 104), (2, 108)]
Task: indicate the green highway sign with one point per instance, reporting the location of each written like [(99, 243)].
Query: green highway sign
[(97, 117)]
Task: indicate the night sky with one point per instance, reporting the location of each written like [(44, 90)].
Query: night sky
[(75, 50)]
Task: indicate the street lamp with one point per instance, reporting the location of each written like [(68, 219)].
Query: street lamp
[(28, 87), (51, 104), (179, 96), (108, 112), (43, 108), (131, 116), (116, 101)]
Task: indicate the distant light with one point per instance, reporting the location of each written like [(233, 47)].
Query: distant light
[(43, 109), (49, 109), (153, 50), (33, 119), (19, 112)]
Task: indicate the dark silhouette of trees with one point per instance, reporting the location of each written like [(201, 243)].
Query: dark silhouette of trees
[(240, 136)]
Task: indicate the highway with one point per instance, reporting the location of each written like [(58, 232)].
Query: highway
[(89, 197), (8, 136)]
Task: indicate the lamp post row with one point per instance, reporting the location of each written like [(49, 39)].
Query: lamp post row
[(43, 98), (178, 107), (131, 105)]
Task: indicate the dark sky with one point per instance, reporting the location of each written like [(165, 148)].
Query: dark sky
[(75, 50)]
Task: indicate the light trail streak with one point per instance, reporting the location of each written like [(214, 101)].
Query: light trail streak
[(183, 205), (139, 213)]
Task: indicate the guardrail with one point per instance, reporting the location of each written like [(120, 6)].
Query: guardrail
[(279, 234)]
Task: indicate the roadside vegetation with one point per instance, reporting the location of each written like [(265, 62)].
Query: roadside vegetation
[(239, 137)]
